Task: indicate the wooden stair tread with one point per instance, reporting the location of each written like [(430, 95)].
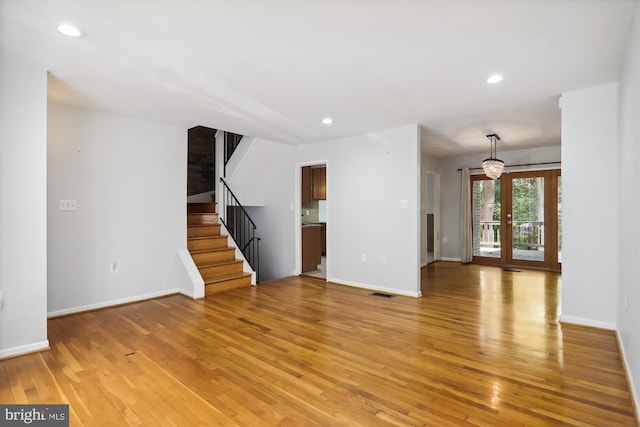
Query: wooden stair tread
[(216, 261), (221, 263), (207, 237), (204, 251), (226, 277)]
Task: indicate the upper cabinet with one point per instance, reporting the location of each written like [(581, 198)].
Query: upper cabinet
[(314, 184), (307, 183), (319, 183)]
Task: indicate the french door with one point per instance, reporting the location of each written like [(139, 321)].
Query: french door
[(517, 219)]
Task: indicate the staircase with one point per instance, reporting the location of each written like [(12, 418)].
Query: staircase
[(215, 259)]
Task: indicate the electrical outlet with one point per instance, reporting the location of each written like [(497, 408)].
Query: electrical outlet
[(114, 267), (404, 204), (67, 205), (383, 260), (363, 257), (1, 298), (444, 240)]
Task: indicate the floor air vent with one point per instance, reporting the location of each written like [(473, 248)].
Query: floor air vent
[(511, 270), (381, 295)]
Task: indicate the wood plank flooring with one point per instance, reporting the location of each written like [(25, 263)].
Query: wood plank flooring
[(481, 347)]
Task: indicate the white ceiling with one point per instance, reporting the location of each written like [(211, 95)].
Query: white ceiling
[(275, 68)]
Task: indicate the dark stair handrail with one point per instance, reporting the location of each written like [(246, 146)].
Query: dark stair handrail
[(241, 227)]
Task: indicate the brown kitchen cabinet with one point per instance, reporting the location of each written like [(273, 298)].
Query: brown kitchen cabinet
[(311, 247), (307, 184), (323, 233), (319, 183)]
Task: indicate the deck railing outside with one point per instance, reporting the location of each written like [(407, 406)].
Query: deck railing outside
[(527, 235)]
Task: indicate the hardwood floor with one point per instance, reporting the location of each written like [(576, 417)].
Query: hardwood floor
[(481, 347)]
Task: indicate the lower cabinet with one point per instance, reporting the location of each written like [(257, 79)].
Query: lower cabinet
[(311, 247)]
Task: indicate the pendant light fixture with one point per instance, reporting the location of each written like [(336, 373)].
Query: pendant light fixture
[(493, 167)]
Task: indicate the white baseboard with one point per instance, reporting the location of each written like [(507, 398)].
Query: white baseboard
[(450, 259), (376, 288), (625, 366), (588, 322), (24, 349), (186, 293), (112, 303)]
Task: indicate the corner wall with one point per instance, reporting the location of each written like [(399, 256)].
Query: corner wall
[(23, 213), (128, 177), (590, 206), (628, 231), (367, 176)]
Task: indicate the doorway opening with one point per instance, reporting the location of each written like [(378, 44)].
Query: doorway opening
[(430, 218), (313, 220)]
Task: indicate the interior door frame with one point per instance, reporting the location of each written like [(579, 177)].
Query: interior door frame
[(297, 208), (550, 261), (436, 211)]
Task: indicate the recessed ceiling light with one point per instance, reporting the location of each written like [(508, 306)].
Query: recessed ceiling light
[(70, 30), (327, 121), (496, 78)]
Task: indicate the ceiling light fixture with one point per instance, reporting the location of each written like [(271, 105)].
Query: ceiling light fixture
[(496, 78), (70, 30), (493, 167), (327, 121)]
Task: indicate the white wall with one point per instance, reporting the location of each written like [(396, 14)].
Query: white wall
[(367, 176), (270, 165), (589, 206), (450, 187), (628, 303), (129, 179), (23, 196)]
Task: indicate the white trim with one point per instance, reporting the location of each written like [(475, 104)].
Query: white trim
[(625, 366), (24, 349), (376, 288), (187, 293), (195, 279), (588, 322), (297, 207), (112, 303), (450, 259)]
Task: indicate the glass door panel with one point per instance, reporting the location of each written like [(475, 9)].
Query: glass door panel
[(527, 219), (487, 236), (511, 224)]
